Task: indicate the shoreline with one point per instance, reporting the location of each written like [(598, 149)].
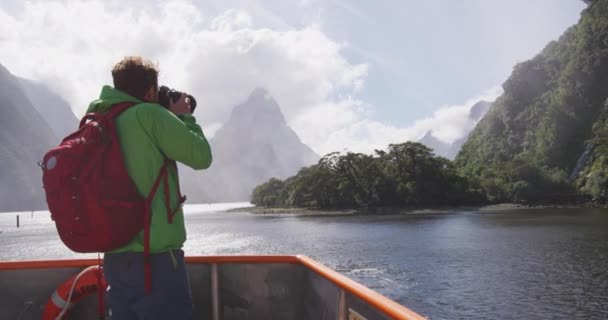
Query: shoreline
[(404, 209)]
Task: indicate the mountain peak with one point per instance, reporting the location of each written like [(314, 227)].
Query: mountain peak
[(427, 135), (479, 109), (260, 93), (254, 145), (260, 107)]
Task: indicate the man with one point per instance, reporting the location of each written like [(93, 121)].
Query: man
[(148, 133)]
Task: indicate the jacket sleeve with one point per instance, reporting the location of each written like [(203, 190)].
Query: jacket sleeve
[(180, 139)]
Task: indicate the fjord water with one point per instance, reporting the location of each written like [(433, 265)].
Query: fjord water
[(509, 264)]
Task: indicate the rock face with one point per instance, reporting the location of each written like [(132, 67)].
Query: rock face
[(439, 147), (254, 145), (55, 110), (24, 138), (450, 150)]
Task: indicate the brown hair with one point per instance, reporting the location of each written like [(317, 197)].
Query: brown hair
[(135, 75)]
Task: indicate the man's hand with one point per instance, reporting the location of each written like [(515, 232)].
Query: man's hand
[(181, 106)]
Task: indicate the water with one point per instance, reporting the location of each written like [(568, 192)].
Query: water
[(522, 264)]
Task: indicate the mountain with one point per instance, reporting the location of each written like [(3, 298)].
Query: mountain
[(546, 137), (254, 145), (24, 138), (450, 150), (51, 106), (439, 147), (479, 110)]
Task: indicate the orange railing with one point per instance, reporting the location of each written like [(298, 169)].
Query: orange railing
[(378, 301)]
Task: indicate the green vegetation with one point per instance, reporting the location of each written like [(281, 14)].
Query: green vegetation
[(408, 174), (545, 140), (529, 144)]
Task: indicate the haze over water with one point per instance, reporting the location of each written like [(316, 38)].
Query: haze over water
[(520, 264)]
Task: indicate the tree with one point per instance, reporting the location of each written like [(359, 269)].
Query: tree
[(407, 174), (268, 194)]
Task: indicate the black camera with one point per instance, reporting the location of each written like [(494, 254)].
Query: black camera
[(167, 95)]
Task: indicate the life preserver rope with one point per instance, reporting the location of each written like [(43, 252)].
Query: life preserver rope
[(73, 290)]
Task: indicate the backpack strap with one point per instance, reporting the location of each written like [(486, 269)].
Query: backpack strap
[(147, 222), (180, 201), (163, 175), (114, 112), (117, 109)]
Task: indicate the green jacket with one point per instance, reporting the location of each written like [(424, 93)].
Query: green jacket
[(146, 132)]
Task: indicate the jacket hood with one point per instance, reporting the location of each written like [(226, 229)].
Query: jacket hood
[(110, 96)]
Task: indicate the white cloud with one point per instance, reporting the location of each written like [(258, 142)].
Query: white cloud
[(450, 123), (72, 46), (344, 125), (231, 20)]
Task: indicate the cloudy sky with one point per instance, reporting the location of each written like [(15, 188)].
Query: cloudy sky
[(348, 74)]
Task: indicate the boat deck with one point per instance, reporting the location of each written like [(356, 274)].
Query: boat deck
[(223, 287)]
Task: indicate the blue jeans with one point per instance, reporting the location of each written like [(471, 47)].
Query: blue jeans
[(170, 297)]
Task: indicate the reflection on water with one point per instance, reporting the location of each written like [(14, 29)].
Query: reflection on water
[(524, 264)]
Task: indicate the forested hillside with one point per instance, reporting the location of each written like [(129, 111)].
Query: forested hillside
[(543, 139)]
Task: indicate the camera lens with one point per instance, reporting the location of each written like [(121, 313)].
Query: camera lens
[(166, 96)]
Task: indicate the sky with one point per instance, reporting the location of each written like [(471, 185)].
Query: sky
[(353, 75)]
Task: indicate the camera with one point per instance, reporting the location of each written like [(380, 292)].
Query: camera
[(167, 95)]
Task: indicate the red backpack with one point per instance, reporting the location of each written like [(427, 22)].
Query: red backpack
[(93, 201)]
